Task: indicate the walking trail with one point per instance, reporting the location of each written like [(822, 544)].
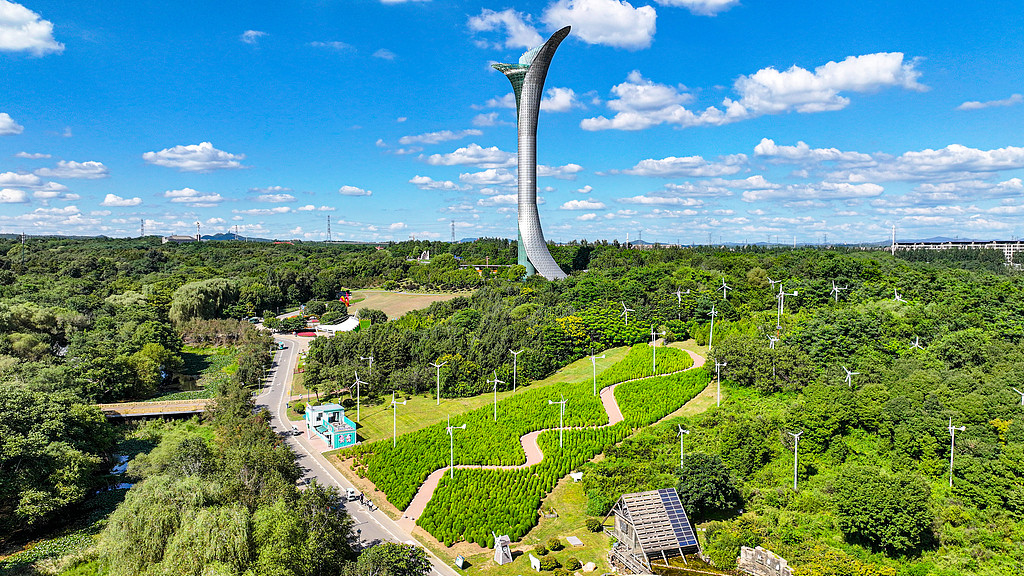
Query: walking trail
[(534, 455)]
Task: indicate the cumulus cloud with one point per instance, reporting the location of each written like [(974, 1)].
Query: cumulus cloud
[(201, 157), (397, 226), (251, 36), (474, 155), (506, 101), (586, 217), (802, 154), (693, 166), (701, 7), (559, 100), (385, 54), (22, 30), (489, 177), (353, 191), (115, 200), (269, 190), (757, 182), (264, 211), (194, 198), (7, 124), (567, 172), (582, 205), (12, 196), (499, 200), (428, 183), (816, 191), (489, 119), (438, 137), (641, 103), (585, 190), (605, 22), (974, 105), (656, 199), (519, 33), (275, 198), (952, 163), (69, 169), (30, 156)]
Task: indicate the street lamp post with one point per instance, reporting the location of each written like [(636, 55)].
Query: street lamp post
[(654, 348), (796, 443), (394, 419), (718, 381), (438, 366), (593, 364)]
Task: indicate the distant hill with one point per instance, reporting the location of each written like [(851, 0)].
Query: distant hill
[(233, 236)]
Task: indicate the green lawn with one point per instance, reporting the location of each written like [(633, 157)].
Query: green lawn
[(422, 411)]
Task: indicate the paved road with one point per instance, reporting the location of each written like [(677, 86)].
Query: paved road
[(375, 526)]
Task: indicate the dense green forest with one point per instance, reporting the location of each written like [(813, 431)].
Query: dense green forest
[(84, 321)]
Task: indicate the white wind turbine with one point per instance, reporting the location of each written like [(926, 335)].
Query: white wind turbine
[(495, 382), (593, 363), (394, 418), (451, 444), (952, 442), (358, 384), (515, 368), (654, 348), (897, 297), (718, 381), (679, 299), (711, 335), (849, 376), (561, 417), (438, 367), (625, 312), (771, 341), (370, 358), (916, 343), (725, 289), (682, 434), (835, 291), (1021, 396), (781, 297), (796, 443), (773, 282)]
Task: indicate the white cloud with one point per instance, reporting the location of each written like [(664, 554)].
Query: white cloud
[(701, 7), (642, 103), (194, 198), (489, 177), (397, 226), (954, 162), (582, 205), (661, 200), (932, 195), (306, 208), (275, 198), (353, 191), (819, 191), (474, 155), (264, 211), (605, 22), (585, 190), (251, 36), (802, 153), (13, 179), (214, 221), (519, 33), (489, 119), (201, 157), (335, 45), (567, 172), (401, 119), (114, 200), (69, 169), (559, 100), (499, 200), (693, 166), (384, 54), (100, 213), (326, 209), (12, 196), (22, 30), (31, 156), (269, 190), (7, 124), (659, 213), (974, 105), (587, 217), (438, 137), (506, 101), (757, 182), (428, 183)]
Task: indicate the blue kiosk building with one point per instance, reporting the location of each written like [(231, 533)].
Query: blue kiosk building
[(328, 422)]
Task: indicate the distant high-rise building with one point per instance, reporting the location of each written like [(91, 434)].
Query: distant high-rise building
[(527, 78)]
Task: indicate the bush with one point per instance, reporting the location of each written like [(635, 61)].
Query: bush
[(332, 317), (560, 572), (540, 550), (300, 407), (315, 308), (348, 403), (593, 524), (573, 563), (555, 545), (548, 563)]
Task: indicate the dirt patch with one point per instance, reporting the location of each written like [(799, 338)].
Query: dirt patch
[(395, 304)]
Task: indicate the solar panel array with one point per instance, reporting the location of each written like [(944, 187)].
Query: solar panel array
[(677, 516)]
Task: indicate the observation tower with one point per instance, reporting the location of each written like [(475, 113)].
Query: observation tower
[(527, 78)]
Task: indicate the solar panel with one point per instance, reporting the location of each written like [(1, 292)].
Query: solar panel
[(677, 517)]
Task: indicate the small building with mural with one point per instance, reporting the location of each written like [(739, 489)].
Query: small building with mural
[(328, 422)]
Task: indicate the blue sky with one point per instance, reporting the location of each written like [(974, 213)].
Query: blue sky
[(743, 120)]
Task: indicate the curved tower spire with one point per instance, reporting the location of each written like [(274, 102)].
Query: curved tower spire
[(527, 79)]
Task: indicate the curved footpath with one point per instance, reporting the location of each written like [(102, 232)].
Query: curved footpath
[(534, 455)]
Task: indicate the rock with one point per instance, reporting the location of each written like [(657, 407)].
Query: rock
[(589, 567)]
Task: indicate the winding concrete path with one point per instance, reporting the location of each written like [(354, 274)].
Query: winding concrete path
[(534, 455)]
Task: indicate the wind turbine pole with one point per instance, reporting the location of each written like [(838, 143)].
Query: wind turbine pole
[(515, 368), (593, 364), (796, 443), (682, 434), (438, 366)]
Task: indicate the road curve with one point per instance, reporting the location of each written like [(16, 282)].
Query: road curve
[(534, 455)]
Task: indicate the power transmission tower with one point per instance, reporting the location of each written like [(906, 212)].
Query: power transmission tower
[(328, 227), (142, 228), (199, 236), (453, 231)]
